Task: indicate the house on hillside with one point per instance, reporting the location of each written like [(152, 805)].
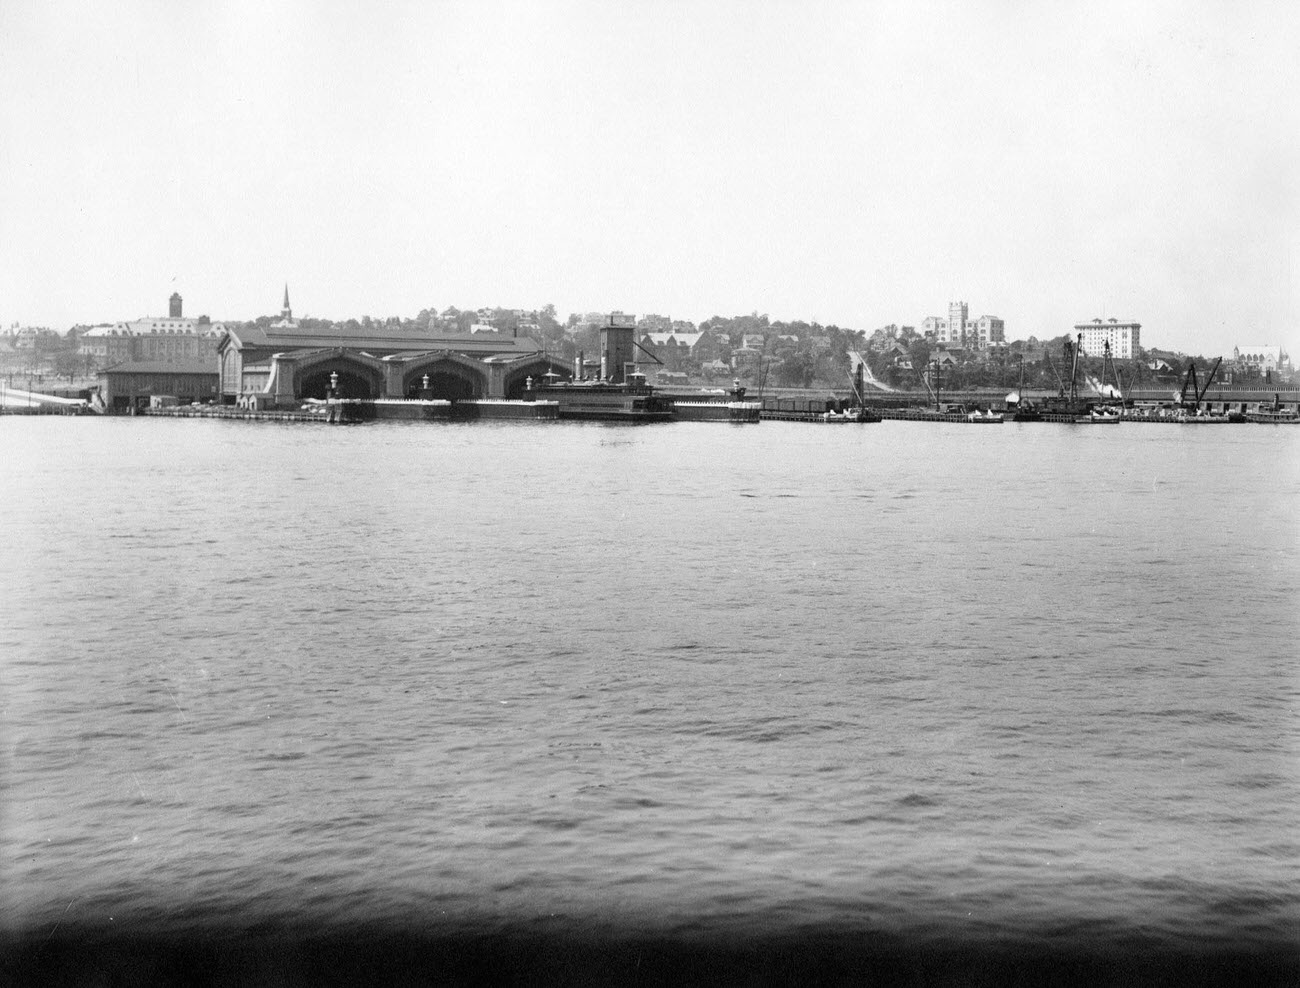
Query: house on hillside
[(674, 350), (745, 357), (898, 355)]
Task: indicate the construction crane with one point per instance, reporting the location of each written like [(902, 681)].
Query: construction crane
[(1197, 392)]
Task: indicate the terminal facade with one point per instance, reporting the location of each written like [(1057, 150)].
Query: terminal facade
[(280, 365)]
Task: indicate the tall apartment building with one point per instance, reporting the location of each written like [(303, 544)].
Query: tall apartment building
[(1125, 338)]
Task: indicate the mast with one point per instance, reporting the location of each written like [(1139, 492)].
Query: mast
[(855, 379), (925, 379), (1055, 373), (1074, 370), (1110, 360)]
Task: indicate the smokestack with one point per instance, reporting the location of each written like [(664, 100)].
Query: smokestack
[(578, 367)]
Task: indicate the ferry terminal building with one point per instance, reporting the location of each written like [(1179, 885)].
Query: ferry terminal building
[(283, 364)]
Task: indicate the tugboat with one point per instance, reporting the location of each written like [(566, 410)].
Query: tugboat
[(1274, 414)]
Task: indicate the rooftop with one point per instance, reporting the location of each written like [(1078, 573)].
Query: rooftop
[(162, 367), (377, 337)]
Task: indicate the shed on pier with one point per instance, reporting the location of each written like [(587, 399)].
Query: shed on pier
[(133, 385)]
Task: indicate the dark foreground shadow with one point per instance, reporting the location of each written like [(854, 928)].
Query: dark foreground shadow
[(229, 956)]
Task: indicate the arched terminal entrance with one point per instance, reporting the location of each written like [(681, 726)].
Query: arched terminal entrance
[(351, 382), (516, 384), (449, 380), (443, 386)]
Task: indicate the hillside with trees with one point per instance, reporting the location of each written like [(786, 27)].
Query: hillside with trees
[(757, 350)]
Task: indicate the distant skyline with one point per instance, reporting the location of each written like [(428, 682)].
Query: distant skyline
[(851, 163)]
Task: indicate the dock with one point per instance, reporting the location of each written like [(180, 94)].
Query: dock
[(240, 414)]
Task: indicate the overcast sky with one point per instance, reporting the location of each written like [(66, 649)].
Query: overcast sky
[(853, 163)]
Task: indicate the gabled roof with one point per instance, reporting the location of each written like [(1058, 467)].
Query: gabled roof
[(380, 338), (674, 337)]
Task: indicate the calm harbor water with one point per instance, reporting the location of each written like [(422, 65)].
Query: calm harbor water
[(1033, 685)]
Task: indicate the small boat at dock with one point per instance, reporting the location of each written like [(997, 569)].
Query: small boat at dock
[(1273, 414), (958, 412), (855, 414), (1100, 415)]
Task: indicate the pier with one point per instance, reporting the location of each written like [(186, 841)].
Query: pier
[(230, 412), (1146, 405), (342, 411)]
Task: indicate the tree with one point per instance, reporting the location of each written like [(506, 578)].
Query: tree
[(552, 331), (67, 363), (586, 337), (918, 354), (796, 369)]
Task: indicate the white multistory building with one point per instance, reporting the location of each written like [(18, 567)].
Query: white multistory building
[(1125, 338), (959, 330), (1260, 358)]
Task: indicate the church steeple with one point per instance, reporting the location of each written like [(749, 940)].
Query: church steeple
[(286, 314)]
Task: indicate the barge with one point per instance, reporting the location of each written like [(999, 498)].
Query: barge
[(603, 401), (716, 406)]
